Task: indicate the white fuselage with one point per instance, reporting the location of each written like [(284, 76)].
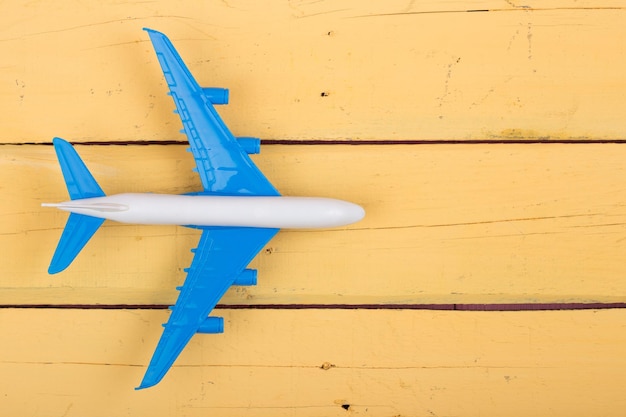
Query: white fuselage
[(203, 210)]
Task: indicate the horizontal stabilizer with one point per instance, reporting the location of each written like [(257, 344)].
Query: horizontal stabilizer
[(78, 230), (80, 183)]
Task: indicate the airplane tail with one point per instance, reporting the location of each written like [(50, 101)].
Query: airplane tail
[(79, 228)]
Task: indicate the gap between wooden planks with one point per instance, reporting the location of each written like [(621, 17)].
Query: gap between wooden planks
[(434, 307), (312, 362), (446, 224)]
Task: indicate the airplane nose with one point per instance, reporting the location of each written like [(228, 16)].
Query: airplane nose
[(359, 213), (353, 213), (335, 213)]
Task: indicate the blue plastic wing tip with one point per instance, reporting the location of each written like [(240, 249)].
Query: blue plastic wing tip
[(143, 386), (149, 380), (155, 32), (59, 141), (55, 269)]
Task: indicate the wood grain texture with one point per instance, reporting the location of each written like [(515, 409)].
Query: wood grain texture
[(319, 70), (86, 362), (449, 223), (444, 224)]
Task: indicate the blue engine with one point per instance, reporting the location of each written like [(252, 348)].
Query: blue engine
[(216, 95), (212, 325), (250, 145)]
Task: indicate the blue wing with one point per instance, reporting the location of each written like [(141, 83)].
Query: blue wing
[(222, 253), (220, 258), (222, 162)]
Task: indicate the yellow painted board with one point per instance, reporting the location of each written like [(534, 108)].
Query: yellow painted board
[(345, 69), (444, 224), (313, 362)]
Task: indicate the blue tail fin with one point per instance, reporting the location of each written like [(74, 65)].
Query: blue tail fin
[(79, 228), (80, 183)]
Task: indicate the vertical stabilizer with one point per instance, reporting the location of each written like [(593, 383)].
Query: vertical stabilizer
[(79, 228)]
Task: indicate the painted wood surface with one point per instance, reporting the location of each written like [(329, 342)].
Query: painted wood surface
[(445, 224), (319, 362), (464, 221), (392, 70)]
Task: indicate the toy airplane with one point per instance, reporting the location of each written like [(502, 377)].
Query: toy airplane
[(238, 211)]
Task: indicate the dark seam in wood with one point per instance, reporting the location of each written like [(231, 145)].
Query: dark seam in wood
[(356, 142), (440, 307)]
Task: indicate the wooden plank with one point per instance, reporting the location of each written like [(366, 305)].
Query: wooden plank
[(313, 362), (444, 224), (319, 70)]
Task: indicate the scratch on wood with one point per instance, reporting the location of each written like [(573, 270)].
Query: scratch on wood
[(21, 85), (112, 45), (446, 89), (88, 25), (494, 10), (529, 36), (67, 410), (515, 6), (521, 219)]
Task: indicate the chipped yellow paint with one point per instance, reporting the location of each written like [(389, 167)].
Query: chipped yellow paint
[(532, 135)]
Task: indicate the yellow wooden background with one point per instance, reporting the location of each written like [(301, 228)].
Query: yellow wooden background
[(490, 163)]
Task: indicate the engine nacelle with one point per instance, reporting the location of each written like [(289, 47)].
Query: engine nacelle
[(212, 325), (247, 277), (216, 95), (250, 145)]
